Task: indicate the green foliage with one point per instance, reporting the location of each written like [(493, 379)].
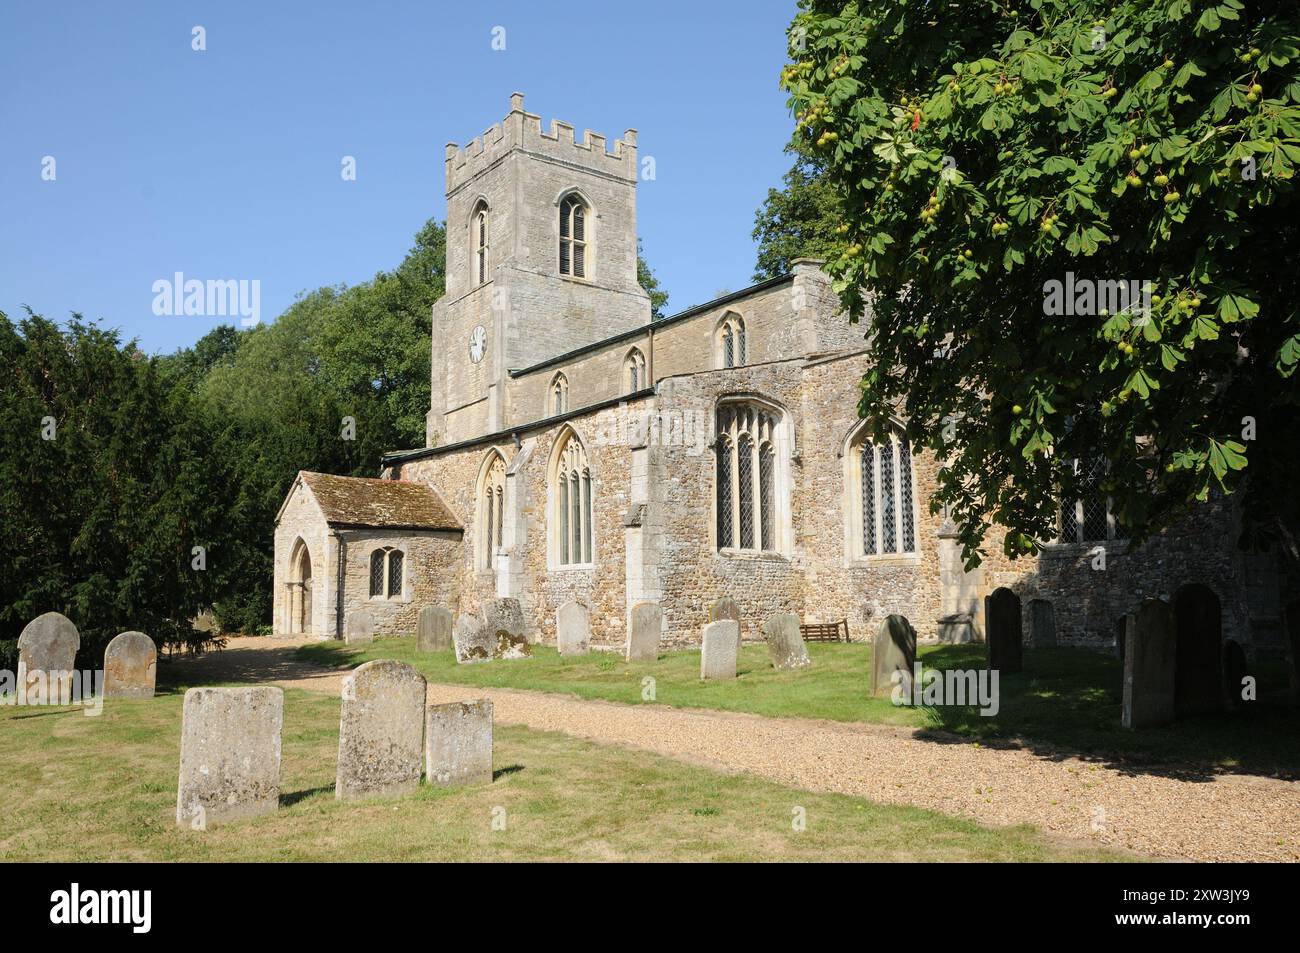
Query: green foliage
[(800, 220), (987, 148), (101, 518), (647, 280)]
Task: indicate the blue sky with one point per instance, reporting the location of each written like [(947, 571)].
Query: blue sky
[(226, 163)]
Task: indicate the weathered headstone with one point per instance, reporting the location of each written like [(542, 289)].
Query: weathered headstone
[(718, 651), (458, 743), (433, 630), (359, 629), (644, 629), (48, 643), (230, 755), (503, 615), (726, 608), (894, 650), (130, 666), (785, 643), (381, 730), (473, 641), (573, 629), (510, 646), (1042, 624), (1149, 665), (1005, 635)]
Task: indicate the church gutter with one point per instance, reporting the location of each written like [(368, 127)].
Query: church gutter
[(406, 456)]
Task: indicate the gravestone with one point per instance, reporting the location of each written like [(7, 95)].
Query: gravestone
[(573, 629), (130, 666), (1042, 624), (504, 619), (359, 628), (894, 650), (433, 630), (381, 730), (503, 615), (1235, 672), (1004, 631), (458, 743), (785, 643), (230, 755), (718, 651), (49, 643), (643, 632), (726, 608), (1150, 652), (473, 641)]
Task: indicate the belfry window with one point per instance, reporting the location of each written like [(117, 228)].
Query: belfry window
[(573, 237)]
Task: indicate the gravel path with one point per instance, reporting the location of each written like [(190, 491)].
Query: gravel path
[(1227, 817)]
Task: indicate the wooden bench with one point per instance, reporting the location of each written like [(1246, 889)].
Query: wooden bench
[(825, 631)]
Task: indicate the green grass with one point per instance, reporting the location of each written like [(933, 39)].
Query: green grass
[(1065, 700), (78, 788)]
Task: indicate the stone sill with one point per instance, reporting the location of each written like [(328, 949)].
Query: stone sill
[(871, 562), (1114, 547), (751, 555), (573, 567)]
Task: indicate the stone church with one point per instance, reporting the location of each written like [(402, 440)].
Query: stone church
[(579, 450)]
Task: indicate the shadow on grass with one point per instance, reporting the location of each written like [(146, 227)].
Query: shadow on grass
[(509, 769), (289, 800), (1067, 703)]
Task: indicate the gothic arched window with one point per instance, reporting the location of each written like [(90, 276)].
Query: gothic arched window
[(491, 508), (884, 510), (573, 237), (480, 239), (749, 501), (731, 342), (559, 395), (386, 566), (571, 496), (634, 370)]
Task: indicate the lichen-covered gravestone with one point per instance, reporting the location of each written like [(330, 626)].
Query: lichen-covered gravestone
[(433, 630), (504, 618), (573, 629), (230, 755), (130, 666), (473, 641), (643, 632), (49, 643), (726, 608), (893, 651), (1042, 624), (1149, 657), (718, 651), (381, 730), (785, 643), (359, 628), (458, 743)]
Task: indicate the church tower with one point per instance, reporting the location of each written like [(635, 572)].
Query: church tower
[(541, 259)]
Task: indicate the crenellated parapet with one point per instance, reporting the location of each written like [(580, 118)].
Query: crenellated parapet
[(523, 130)]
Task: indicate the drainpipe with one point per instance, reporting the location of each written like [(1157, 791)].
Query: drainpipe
[(339, 584)]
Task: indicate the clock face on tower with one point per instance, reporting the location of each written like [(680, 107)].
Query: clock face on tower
[(477, 343)]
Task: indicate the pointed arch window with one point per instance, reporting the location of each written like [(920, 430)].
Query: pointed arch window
[(491, 509), (749, 501), (634, 371), (1089, 519), (386, 573), (884, 500), (573, 237), (559, 395), (480, 241), (732, 344), (572, 494)]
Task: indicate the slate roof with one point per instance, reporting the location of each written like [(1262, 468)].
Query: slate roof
[(361, 502)]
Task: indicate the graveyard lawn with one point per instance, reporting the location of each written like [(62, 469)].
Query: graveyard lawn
[(104, 789), (1066, 700)]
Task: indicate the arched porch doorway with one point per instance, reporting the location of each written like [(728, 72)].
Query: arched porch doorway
[(300, 585)]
